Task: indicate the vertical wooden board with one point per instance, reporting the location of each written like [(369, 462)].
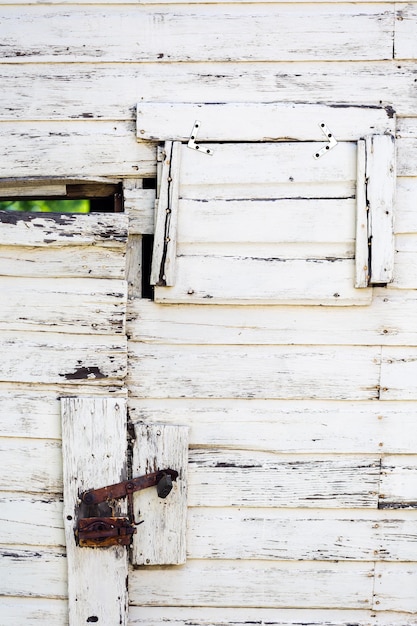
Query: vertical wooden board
[(361, 244), (94, 454), (381, 179), (139, 205), (161, 540), (134, 266), (395, 587)]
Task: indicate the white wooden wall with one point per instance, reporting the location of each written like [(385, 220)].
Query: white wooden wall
[(303, 464)]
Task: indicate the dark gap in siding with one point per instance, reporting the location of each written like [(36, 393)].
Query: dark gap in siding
[(147, 249)]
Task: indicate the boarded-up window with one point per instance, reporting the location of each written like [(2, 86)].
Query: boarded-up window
[(240, 221)]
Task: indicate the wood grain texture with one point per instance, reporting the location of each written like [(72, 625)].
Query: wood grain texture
[(258, 479), (277, 535), (139, 205), (96, 459), (33, 572), (327, 32), (34, 520), (34, 611), (110, 91), (398, 374), (256, 584), (395, 587), (254, 372), (44, 458), (285, 426), (386, 322), (405, 31), (257, 121), (163, 538), (68, 305), (60, 230), (55, 358), (211, 616), (399, 482)]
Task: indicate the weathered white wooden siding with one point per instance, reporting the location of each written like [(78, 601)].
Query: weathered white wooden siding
[(301, 418)]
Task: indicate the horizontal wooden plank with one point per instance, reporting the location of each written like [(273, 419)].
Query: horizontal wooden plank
[(32, 520), (110, 91), (253, 372), (325, 32), (287, 426), (38, 229), (267, 221), (407, 163), (33, 611), (211, 616), (54, 358), (274, 535), (258, 121), (255, 584), (405, 214), (398, 374), (247, 166), (68, 305), (88, 149), (395, 587), (37, 573), (66, 262), (399, 482), (258, 479), (405, 31), (405, 271), (203, 279), (44, 458), (386, 322)]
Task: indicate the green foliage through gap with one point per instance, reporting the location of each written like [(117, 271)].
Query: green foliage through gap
[(46, 206)]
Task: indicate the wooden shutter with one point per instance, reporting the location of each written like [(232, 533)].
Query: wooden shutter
[(251, 216)]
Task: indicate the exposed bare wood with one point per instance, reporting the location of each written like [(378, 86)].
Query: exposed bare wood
[(96, 578), (325, 32), (134, 266), (163, 537), (57, 230), (55, 358)]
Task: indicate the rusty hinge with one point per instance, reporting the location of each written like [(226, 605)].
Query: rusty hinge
[(113, 531)]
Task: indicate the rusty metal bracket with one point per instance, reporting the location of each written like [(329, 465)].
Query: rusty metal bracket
[(111, 531)]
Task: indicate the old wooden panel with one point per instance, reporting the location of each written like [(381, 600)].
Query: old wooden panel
[(31, 520), (162, 539), (33, 611), (288, 426), (267, 220), (395, 588), (58, 358), (380, 193), (66, 262), (406, 160), (398, 482), (257, 121), (362, 227), (212, 616), (327, 32), (110, 91), (259, 479), (405, 213), (405, 31), (96, 578), (276, 535), (256, 584), (252, 279), (254, 372), (76, 149), (44, 458), (33, 572), (51, 230), (67, 305), (399, 374), (405, 271), (386, 322), (139, 205)]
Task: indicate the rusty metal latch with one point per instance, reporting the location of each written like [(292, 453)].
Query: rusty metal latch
[(112, 531)]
